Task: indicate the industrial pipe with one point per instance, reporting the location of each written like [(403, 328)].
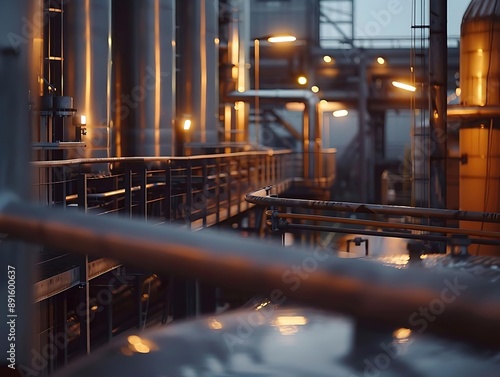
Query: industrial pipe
[(259, 197), (359, 288)]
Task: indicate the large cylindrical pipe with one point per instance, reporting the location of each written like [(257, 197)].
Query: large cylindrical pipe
[(143, 51), (20, 57), (87, 67), (480, 136), (198, 69), (235, 75)]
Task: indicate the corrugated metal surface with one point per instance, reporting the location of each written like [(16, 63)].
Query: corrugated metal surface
[(479, 78), (481, 9)]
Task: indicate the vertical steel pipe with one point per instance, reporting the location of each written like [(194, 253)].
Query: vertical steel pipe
[(198, 78), (143, 99), (438, 85), (20, 34), (87, 67)]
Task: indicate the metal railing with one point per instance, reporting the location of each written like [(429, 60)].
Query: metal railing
[(198, 191), (401, 230)]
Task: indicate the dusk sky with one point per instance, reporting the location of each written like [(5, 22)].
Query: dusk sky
[(400, 21)]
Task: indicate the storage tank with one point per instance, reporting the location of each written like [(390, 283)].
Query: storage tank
[(87, 71), (143, 93), (198, 78), (480, 135)]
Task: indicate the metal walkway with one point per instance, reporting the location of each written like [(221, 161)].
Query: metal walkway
[(189, 192)]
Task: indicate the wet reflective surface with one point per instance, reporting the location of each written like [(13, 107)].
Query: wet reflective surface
[(285, 342)]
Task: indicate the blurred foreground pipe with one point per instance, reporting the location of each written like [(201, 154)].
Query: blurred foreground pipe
[(20, 42), (359, 288)]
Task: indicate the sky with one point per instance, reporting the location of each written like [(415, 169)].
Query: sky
[(389, 19), (399, 20)]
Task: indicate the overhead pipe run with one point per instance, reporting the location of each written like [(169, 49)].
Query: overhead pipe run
[(260, 197), (311, 127)]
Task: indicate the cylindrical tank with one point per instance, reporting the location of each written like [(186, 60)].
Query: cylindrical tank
[(480, 137), (198, 78), (87, 71), (143, 93), (234, 52)]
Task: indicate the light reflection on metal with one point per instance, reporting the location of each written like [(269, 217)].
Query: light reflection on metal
[(292, 320), (134, 339), (288, 330), (215, 325), (402, 335), (136, 344), (263, 305)]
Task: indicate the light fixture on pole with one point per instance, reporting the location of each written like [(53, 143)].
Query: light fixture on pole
[(256, 44), (401, 85)]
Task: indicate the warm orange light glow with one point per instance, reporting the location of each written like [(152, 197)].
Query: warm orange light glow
[(380, 60), (302, 80), (215, 325), (327, 59), (186, 126), (134, 339), (290, 321), (295, 106), (83, 120), (402, 335), (404, 86), (281, 39)]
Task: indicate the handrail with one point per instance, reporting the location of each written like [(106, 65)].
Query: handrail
[(82, 161), (362, 289), (372, 223), (259, 197)]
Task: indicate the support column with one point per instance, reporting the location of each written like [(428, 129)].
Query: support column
[(438, 67), (438, 70), (362, 110), (18, 95)]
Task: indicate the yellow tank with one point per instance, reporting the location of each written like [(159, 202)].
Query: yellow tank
[(480, 136)]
